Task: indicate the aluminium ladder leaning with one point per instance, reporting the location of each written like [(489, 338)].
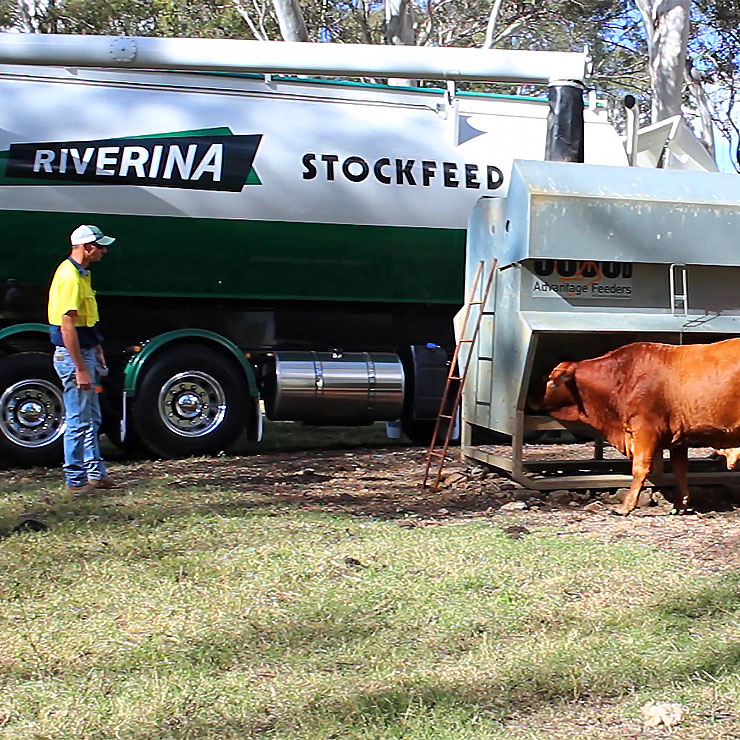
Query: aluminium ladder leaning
[(449, 412)]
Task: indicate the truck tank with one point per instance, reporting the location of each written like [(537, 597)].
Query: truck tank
[(311, 191), (254, 215)]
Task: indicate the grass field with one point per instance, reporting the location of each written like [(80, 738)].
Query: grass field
[(211, 612)]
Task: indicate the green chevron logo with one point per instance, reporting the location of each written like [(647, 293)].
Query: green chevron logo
[(207, 159)]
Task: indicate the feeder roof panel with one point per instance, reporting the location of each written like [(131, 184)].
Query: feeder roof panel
[(627, 183), (558, 210)]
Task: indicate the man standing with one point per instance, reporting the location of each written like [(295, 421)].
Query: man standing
[(79, 359)]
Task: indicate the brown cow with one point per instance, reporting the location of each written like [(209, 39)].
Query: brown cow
[(646, 397)]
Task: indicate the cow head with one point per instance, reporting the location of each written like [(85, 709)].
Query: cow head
[(733, 456), (561, 396)]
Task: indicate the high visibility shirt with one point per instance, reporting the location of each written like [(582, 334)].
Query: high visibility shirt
[(71, 290)]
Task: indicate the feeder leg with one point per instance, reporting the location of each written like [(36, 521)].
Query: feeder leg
[(598, 449)]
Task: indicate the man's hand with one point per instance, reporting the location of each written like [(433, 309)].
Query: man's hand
[(84, 381)]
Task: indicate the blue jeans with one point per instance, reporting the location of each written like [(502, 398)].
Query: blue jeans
[(82, 458)]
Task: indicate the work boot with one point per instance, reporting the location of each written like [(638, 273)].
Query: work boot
[(107, 482), (80, 490)]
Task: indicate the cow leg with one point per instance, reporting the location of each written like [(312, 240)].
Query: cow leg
[(680, 465), (645, 449)]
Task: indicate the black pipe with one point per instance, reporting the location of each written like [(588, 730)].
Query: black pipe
[(565, 122)]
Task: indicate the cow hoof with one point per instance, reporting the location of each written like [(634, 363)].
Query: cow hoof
[(682, 512), (621, 511)]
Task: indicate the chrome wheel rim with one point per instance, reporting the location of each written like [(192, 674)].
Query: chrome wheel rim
[(32, 413), (192, 404)]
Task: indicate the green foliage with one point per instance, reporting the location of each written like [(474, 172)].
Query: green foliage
[(715, 51), (144, 18), (8, 13), (612, 31)]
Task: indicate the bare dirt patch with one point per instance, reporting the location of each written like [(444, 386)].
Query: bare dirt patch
[(386, 483)]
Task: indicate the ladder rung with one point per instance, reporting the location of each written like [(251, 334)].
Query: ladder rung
[(454, 377), (435, 453), (465, 341), (445, 416)]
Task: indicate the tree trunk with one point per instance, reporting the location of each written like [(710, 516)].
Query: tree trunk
[(290, 19), (28, 16), (492, 21), (399, 20), (667, 27)]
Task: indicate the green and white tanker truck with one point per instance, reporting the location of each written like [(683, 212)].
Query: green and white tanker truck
[(279, 238)]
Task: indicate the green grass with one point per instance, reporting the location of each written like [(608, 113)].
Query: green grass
[(200, 613)]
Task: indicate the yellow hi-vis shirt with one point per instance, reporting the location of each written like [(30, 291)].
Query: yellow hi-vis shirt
[(70, 290)]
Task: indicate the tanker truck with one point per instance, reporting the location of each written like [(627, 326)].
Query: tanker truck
[(283, 242)]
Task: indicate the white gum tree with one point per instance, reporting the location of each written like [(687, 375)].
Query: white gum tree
[(290, 19), (667, 30)]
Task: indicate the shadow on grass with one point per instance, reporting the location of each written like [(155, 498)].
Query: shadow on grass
[(528, 689), (417, 691)]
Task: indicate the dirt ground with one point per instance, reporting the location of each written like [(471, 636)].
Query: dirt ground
[(386, 483)]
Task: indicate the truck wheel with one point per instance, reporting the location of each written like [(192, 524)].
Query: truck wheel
[(191, 402), (31, 410), (420, 432)]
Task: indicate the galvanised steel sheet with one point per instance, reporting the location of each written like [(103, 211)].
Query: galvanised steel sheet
[(559, 210)]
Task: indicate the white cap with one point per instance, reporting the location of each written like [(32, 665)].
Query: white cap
[(86, 234)]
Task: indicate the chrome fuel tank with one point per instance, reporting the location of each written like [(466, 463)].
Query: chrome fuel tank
[(334, 387)]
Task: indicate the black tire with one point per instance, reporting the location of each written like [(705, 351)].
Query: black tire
[(192, 401), (420, 431), (31, 410)]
